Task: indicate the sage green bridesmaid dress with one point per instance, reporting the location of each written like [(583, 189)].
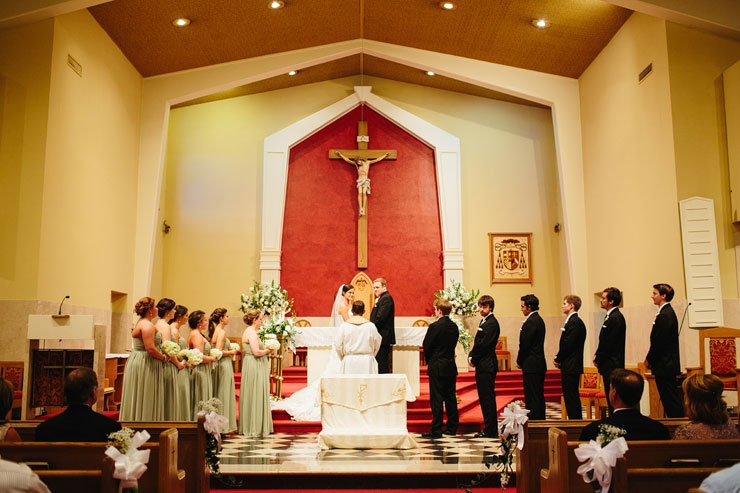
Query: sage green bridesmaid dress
[(143, 386), (224, 389), (255, 416), (169, 377), (201, 388), (183, 405)]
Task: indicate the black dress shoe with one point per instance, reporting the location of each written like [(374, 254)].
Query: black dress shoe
[(484, 435), (449, 432), (431, 435)]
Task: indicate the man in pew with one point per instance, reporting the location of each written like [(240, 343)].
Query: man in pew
[(78, 423), (625, 393)]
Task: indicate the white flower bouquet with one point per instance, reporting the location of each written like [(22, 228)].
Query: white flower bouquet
[(464, 302), (465, 339), (233, 346), (192, 356), (272, 344), (270, 299), (280, 326), (170, 348), (121, 439), (216, 353)]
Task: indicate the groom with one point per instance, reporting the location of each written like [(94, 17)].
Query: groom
[(383, 316)]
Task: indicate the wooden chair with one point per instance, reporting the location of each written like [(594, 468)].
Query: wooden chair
[(722, 342), (12, 371), (503, 355), (421, 323), (301, 352), (590, 390)]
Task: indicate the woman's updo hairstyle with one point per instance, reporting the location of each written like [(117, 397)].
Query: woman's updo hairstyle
[(195, 318), (251, 316), (143, 306), (215, 318), (347, 287), (163, 306), (180, 311)]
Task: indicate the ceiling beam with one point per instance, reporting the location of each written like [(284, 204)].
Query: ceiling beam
[(721, 17), (28, 11)]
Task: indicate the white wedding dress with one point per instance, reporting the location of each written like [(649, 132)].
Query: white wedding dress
[(301, 405)]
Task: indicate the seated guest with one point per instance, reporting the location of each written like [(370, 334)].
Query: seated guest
[(19, 478), (707, 410), (78, 423), (723, 481), (7, 433), (624, 394)]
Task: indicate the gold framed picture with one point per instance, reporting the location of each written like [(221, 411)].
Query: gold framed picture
[(511, 257)]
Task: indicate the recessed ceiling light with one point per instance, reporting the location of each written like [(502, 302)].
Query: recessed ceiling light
[(447, 5), (430, 73), (541, 23), (181, 22), (292, 72), (277, 4)]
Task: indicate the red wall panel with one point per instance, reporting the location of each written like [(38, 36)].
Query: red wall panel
[(320, 225)]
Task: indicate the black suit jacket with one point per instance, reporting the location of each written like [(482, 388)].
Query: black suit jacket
[(663, 355), (570, 354), (439, 348), (78, 423), (610, 353), (383, 316), (483, 354), (531, 357), (638, 427)]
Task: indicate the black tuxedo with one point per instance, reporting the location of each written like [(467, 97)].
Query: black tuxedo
[(531, 359), (638, 427), (439, 351), (610, 353), (383, 316), (78, 423), (483, 357), (664, 359), (570, 359)]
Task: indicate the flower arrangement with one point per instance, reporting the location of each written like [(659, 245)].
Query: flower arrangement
[(212, 405), (270, 299), (233, 346), (170, 348), (600, 456), (280, 328), (216, 353), (464, 302), (192, 356), (121, 439), (465, 339), (213, 425), (272, 344)]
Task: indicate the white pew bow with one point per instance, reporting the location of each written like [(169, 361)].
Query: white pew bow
[(214, 423), (600, 460), (130, 466), (513, 422)]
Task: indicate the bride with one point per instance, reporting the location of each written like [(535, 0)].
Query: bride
[(301, 405)]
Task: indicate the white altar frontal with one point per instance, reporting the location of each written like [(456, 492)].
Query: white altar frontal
[(365, 412)]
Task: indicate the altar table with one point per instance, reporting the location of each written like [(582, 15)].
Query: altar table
[(365, 412)]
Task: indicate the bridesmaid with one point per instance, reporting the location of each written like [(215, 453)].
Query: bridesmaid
[(171, 395), (223, 372), (141, 399), (183, 405), (255, 416), (201, 388)]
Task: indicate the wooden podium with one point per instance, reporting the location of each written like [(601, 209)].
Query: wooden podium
[(57, 345)]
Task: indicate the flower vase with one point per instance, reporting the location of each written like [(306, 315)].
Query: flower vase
[(461, 356)]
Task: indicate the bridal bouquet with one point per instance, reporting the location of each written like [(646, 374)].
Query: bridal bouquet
[(280, 326), (170, 348), (464, 302), (464, 338), (270, 299), (216, 353)]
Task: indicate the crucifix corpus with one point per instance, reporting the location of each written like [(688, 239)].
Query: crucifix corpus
[(361, 158)]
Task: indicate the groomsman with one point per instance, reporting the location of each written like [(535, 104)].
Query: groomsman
[(383, 316), (439, 351), (570, 355), (531, 357), (483, 358), (610, 353), (663, 358)]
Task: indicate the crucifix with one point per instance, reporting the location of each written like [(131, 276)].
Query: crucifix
[(361, 158)]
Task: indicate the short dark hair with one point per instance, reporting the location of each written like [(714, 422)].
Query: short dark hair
[(195, 317), (531, 302), (614, 295), (358, 307), (486, 300), (444, 306), (79, 385), (628, 385), (664, 289), (574, 300)]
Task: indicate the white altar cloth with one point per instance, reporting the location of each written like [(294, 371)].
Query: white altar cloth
[(365, 411), (324, 336)]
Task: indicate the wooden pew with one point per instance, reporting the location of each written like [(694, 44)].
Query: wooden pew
[(79, 466), (191, 445), (648, 466), (533, 457)]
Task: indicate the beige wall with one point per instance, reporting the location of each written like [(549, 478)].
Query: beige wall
[(213, 185)]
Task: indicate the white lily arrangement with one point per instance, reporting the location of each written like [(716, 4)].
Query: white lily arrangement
[(279, 326), (270, 299), (464, 302), (464, 337)]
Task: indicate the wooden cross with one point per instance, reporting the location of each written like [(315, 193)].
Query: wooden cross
[(362, 158)]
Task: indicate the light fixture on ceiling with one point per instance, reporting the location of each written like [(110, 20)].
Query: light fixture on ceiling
[(540, 23), (430, 73), (448, 5), (181, 22), (277, 4), (292, 72)]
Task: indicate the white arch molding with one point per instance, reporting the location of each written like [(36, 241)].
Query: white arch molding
[(447, 165)]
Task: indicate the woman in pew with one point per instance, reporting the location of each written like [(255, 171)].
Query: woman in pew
[(201, 385), (171, 394), (142, 395), (183, 403), (7, 433), (223, 372), (707, 410), (255, 416)]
